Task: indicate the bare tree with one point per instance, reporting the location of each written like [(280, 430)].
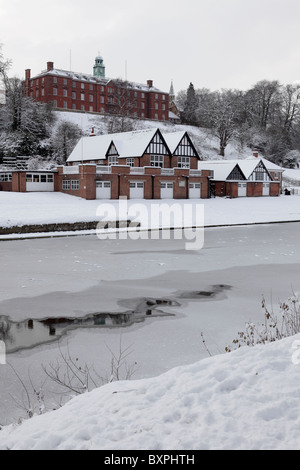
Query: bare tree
[(121, 107), (223, 116)]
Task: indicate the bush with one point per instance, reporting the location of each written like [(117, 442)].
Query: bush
[(274, 327)]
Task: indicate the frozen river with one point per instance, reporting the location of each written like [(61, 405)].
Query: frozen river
[(170, 296)]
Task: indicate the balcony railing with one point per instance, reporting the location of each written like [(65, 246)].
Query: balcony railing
[(167, 171), (103, 169), (195, 173), (137, 170), (71, 170)]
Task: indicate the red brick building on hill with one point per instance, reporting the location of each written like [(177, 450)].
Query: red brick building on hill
[(95, 93)]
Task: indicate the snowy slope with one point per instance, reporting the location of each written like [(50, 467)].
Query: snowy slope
[(205, 142), (247, 399)]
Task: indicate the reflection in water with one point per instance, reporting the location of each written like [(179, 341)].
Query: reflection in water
[(32, 332)]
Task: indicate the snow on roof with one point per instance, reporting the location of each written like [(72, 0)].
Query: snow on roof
[(91, 78), (269, 165), (128, 144), (173, 139), (221, 168), (133, 144), (91, 148)]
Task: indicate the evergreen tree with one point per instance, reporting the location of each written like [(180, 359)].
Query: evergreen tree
[(190, 107)]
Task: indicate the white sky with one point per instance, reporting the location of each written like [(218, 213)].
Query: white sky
[(211, 43)]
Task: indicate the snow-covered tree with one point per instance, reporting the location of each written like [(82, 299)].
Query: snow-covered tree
[(64, 139)]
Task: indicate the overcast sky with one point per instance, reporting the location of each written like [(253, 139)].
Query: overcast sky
[(211, 43)]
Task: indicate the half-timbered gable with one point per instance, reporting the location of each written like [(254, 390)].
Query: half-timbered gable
[(236, 174), (255, 171), (184, 153), (157, 145), (112, 151), (260, 173)]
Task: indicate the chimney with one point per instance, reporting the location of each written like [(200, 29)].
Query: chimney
[(255, 153), (50, 66), (92, 134), (27, 74), (150, 83)]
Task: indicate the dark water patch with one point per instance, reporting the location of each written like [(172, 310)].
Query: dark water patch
[(33, 332), (215, 292)]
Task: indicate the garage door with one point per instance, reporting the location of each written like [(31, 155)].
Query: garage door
[(266, 189), (103, 189), (166, 190), (136, 190), (242, 191), (195, 190), (39, 182)]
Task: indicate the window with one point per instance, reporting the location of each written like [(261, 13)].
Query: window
[(259, 175), (65, 105), (55, 91), (91, 109), (82, 96), (66, 185), (184, 162), (82, 86), (130, 161), (112, 160), (91, 87), (156, 105), (74, 95), (75, 185), (50, 178), (43, 178), (65, 81), (157, 160), (91, 98), (143, 95), (54, 80), (28, 178), (5, 177), (65, 93), (82, 107)]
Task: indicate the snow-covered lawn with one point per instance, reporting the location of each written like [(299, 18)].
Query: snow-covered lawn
[(39, 208), (247, 399)]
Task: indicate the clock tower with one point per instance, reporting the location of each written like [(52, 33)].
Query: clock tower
[(99, 67)]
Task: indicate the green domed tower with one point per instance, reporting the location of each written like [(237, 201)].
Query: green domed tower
[(99, 67)]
